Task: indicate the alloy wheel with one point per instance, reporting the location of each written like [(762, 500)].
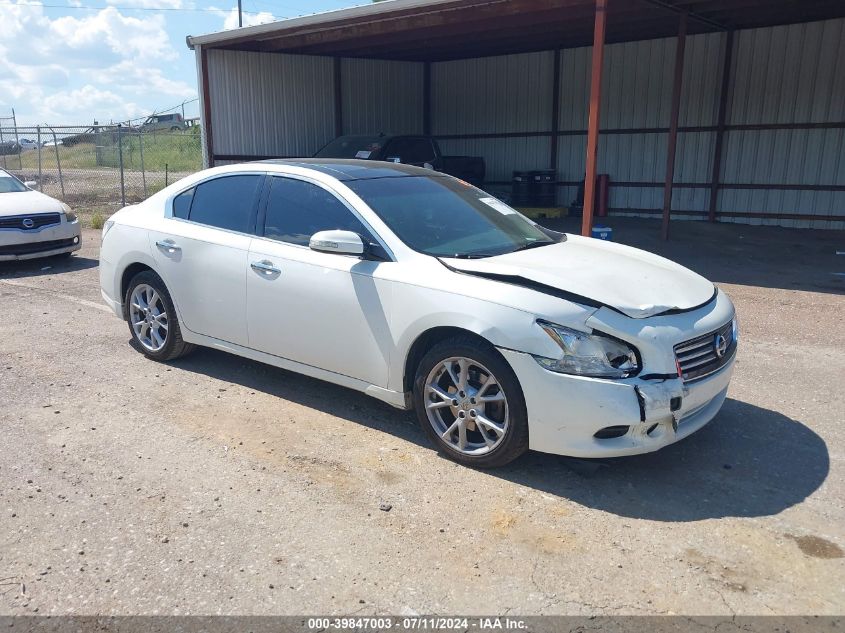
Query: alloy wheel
[(466, 405), (148, 317)]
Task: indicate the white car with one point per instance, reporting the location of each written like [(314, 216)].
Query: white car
[(32, 224), (427, 293)]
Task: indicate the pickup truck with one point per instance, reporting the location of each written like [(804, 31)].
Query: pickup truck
[(422, 151)]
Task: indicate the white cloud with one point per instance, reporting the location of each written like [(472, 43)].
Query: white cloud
[(123, 36), (151, 4), (230, 18), (87, 104), (104, 65), (141, 80)]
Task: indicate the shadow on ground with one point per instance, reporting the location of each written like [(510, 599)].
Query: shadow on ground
[(45, 266), (748, 462)]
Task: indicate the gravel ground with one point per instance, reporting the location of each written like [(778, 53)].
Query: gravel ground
[(219, 485)]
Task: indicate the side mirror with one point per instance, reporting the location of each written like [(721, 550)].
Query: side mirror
[(30, 184), (340, 242)]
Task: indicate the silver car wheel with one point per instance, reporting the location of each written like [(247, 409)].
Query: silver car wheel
[(466, 406), (148, 317)]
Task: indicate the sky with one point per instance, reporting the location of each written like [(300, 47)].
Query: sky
[(71, 62)]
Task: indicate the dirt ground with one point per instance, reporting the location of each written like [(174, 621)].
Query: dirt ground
[(219, 485)]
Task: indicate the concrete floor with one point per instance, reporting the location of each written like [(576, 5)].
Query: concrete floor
[(220, 485)]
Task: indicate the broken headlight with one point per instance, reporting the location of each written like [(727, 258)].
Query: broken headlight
[(593, 355)]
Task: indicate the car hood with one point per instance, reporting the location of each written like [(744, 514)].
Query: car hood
[(22, 202), (594, 272)]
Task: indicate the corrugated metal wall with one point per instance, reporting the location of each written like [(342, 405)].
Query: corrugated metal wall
[(264, 104), (495, 94), (787, 74), (268, 104), (636, 94), (382, 96), (501, 108)]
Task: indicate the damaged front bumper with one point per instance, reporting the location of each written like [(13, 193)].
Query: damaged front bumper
[(565, 412)]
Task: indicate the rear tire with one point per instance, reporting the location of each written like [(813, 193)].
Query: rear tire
[(469, 402), (152, 319)]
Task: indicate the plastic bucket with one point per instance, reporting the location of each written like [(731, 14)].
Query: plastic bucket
[(603, 233)]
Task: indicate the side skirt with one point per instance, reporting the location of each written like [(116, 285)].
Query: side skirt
[(394, 398)]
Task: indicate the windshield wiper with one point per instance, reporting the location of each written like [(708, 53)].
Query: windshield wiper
[(470, 255), (538, 244)]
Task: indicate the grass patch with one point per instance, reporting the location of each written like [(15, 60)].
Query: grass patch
[(174, 151), (97, 221)]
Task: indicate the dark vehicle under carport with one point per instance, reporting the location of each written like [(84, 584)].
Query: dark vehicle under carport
[(421, 151)]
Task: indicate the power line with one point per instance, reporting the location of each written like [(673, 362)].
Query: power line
[(122, 8)]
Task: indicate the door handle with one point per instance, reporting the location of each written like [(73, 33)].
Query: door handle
[(265, 267), (168, 245)]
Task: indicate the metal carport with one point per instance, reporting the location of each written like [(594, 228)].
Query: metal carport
[(721, 110)]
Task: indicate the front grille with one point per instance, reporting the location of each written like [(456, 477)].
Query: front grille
[(36, 247), (38, 220), (699, 357)]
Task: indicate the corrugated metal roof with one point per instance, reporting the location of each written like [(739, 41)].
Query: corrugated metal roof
[(429, 30)]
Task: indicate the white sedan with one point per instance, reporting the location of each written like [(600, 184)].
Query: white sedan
[(32, 224), (427, 293)]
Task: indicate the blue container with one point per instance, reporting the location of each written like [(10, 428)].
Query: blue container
[(603, 233)]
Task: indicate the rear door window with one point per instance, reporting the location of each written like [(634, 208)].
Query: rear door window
[(227, 202), (182, 204)]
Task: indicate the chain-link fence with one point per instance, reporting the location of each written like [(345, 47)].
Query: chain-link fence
[(97, 170)]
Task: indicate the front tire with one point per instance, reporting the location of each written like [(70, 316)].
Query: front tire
[(470, 403), (152, 318)]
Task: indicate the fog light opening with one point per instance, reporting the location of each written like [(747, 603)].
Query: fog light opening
[(610, 432), (76, 240)]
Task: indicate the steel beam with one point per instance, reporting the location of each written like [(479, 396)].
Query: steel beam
[(555, 111), (338, 96), (206, 107), (720, 126), (426, 98), (673, 125), (593, 120)]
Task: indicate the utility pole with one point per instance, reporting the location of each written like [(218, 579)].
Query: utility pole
[(240, 16)]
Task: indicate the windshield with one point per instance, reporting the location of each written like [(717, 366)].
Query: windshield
[(351, 147), (446, 217), (9, 184)]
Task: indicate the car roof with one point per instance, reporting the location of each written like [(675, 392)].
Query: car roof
[(353, 169)]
